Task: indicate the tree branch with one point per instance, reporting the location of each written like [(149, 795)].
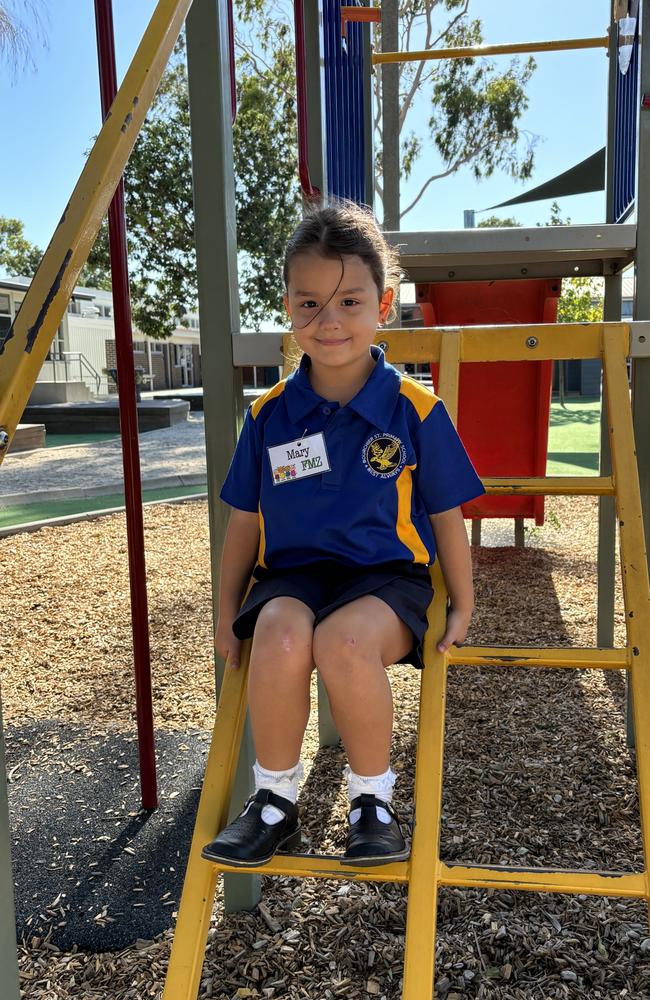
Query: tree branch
[(256, 59), (421, 76), (446, 173), (403, 111)]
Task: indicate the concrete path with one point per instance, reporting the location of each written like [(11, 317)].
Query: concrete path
[(173, 456)]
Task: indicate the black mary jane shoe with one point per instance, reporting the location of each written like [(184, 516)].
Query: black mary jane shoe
[(248, 841), (371, 842)]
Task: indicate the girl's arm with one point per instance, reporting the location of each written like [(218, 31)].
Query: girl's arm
[(240, 550), (456, 565)]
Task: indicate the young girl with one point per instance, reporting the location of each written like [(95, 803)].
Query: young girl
[(347, 480)]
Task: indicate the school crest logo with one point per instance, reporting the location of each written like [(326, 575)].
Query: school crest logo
[(384, 455)]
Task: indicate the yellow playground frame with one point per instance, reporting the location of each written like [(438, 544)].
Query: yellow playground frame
[(425, 870), (23, 352)]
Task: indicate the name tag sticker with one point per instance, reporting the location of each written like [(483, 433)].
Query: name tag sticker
[(298, 459)]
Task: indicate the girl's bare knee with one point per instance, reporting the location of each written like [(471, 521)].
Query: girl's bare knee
[(340, 653), (283, 637)]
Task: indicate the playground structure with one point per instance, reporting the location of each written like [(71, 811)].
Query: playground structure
[(28, 342)]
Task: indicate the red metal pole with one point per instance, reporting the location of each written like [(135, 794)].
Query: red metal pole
[(129, 429), (301, 102)]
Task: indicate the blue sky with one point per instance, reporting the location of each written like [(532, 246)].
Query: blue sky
[(52, 112)]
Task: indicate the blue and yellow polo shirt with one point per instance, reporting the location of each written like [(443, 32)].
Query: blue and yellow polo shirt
[(394, 458)]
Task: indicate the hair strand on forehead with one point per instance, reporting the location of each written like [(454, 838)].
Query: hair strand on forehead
[(339, 229)]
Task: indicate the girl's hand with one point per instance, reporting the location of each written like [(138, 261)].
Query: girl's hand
[(457, 626), (227, 644)]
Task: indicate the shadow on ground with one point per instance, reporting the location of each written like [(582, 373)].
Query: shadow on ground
[(88, 862)]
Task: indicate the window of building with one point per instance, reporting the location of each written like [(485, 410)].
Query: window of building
[(106, 312), (156, 347), (5, 315), (55, 352), (627, 308), (139, 346), (17, 304), (74, 307)]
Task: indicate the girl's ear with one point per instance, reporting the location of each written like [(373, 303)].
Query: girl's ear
[(385, 304), (285, 299)]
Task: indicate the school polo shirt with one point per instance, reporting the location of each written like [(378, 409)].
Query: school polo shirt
[(394, 456)]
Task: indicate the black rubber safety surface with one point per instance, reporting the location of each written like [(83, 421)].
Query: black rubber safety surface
[(88, 862)]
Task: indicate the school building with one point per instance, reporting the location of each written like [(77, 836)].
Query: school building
[(82, 358)]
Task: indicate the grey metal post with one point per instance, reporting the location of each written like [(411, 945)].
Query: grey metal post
[(368, 115), (390, 116), (8, 954), (216, 248), (611, 311), (328, 735), (390, 127), (315, 87), (641, 366)]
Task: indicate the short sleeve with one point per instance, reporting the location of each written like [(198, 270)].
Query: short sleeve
[(446, 477), (241, 488)]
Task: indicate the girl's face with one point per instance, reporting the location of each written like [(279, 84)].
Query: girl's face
[(335, 330)]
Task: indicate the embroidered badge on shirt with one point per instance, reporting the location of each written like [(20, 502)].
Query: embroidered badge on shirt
[(384, 455), (298, 459)]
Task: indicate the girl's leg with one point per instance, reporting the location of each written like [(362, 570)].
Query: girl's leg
[(278, 686), (280, 668), (351, 649)]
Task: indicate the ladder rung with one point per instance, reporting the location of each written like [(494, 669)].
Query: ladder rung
[(545, 880), (324, 866), (533, 656), (532, 879), (589, 486)]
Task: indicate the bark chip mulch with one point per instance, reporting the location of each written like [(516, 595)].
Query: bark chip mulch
[(537, 773)]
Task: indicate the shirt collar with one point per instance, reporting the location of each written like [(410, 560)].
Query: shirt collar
[(375, 402)]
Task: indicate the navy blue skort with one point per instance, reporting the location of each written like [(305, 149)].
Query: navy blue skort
[(326, 586)]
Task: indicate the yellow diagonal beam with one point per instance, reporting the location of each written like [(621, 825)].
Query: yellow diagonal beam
[(539, 656), (197, 900), (24, 348), (634, 563), (544, 880)]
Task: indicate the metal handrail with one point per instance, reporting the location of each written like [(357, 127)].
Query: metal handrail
[(83, 363)]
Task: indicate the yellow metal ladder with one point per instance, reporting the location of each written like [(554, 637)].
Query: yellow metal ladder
[(424, 872)]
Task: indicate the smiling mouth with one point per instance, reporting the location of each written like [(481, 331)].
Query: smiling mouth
[(334, 342)]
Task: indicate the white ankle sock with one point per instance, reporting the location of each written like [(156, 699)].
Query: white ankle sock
[(284, 783), (380, 785)]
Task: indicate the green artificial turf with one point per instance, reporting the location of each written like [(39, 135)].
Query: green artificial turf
[(62, 440), (573, 444), (26, 513), (574, 438)]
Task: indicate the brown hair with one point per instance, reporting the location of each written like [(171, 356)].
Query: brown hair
[(342, 228)]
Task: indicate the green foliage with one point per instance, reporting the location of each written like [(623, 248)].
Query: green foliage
[(473, 119), (475, 105), (581, 301), (17, 255), (266, 166), (495, 222), (159, 198)]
